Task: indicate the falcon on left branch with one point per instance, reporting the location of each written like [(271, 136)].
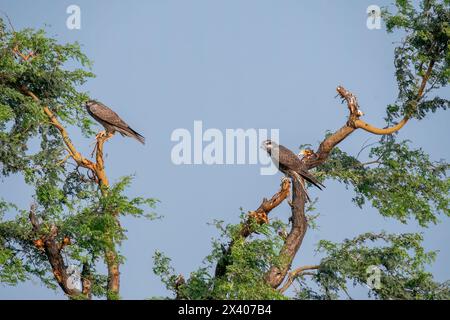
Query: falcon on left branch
[(111, 121)]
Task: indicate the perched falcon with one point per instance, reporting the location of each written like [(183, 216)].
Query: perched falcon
[(289, 161), (111, 121)]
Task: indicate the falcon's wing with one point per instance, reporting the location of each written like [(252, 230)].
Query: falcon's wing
[(288, 158), (292, 162), (310, 178), (107, 115)]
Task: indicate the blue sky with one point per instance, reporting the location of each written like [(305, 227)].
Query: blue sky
[(232, 64)]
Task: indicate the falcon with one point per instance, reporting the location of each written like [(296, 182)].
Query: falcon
[(111, 121), (289, 163)]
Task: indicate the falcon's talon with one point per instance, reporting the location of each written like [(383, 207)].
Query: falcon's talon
[(283, 179), (101, 134)]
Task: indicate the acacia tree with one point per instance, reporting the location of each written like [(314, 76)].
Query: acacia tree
[(253, 259), (74, 216)]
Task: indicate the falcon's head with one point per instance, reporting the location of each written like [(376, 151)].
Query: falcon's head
[(269, 145), (90, 103), (266, 145)]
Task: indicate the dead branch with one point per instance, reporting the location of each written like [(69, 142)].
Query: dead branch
[(354, 122), (366, 126), (24, 57), (76, 156)]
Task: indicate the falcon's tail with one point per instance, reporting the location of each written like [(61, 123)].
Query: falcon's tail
[(302, 183), (133, 134), (310, 178)]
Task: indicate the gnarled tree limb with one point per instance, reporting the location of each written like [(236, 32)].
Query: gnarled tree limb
[(52, 249), (276, 274)]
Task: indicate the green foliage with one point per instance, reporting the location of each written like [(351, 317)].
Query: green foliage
[(400, 182), (426, 41), (247, 264), (90, 224), (20, 258), (11, 268), (65, 196), (45, 74), (400, 259), (94, 227)]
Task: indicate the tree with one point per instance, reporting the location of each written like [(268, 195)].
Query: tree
[(74, 219), (253, 260)]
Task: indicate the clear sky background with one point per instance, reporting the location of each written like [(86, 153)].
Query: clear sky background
[(162, 64)]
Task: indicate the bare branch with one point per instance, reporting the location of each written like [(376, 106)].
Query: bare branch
[(365, 126)]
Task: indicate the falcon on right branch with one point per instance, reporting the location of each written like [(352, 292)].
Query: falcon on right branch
[(289, 163)]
